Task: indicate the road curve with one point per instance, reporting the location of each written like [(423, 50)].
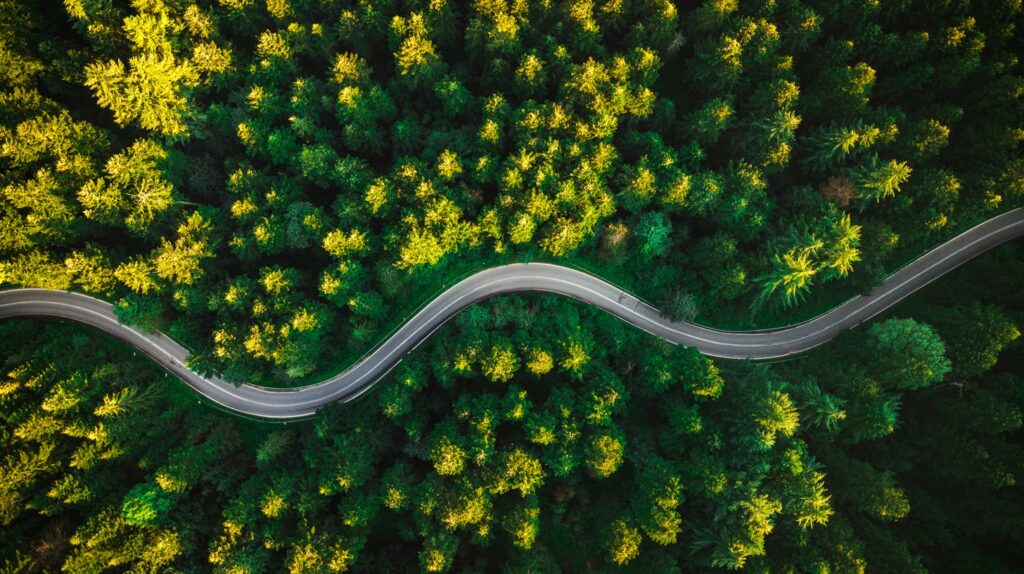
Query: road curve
[(302, 402)]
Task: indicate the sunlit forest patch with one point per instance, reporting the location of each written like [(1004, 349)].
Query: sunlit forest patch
[(278, 183)]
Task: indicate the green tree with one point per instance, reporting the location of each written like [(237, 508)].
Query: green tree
[(181, 261), (913, 351), (877, 180), (151, 91), (653, 234), (134, 193)]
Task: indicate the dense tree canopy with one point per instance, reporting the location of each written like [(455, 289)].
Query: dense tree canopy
[(728, 158), (495, 445), (279, 183)]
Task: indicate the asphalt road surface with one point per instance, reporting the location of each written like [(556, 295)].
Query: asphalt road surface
[(517, 278)]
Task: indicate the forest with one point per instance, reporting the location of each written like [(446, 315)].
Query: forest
[(278, 184)]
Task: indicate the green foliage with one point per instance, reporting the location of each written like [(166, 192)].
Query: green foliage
[(914, 349), (145, 504), (134, 193), (679, 306), (792, 274), (180, 261), (147, 92), (653, 233), (879, 180), (625, 543), (483, 472), (604, 454), (278, 184), (435, 138), (501, 365), (974, 335)]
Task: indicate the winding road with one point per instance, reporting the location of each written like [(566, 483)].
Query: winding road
[(302, 402)]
